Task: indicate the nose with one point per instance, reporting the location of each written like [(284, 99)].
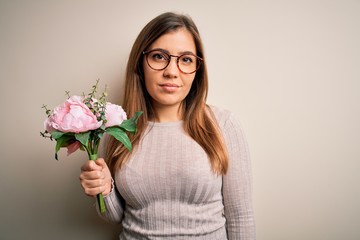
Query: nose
[(172, 69)]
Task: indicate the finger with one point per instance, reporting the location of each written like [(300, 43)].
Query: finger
[(93, 187), (90, 166), (94, 191), (93, 183), (92, 175)]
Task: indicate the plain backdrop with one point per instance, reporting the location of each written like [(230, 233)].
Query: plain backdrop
[(288, 69)]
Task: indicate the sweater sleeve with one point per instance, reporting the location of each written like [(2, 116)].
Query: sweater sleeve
[(114, 207), (237, 185)]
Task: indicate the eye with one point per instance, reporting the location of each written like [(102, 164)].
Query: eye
[(187, 59), (158, 56)]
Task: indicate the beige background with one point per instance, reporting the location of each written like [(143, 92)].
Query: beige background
[(288, 69)]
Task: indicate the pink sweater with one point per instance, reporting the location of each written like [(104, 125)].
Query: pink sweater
[(168, 191)]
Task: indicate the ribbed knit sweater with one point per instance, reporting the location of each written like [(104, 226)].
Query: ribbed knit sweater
[(167, 189)]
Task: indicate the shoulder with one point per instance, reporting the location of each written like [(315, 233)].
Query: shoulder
[(222, 116), (231, 129), (229, 124)]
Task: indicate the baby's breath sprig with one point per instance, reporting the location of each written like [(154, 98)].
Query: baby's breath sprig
[(102, 99), (102, 108), (46, 134), (94, 89), (98, 108), (89, 99), (47, 111), (67, 93)]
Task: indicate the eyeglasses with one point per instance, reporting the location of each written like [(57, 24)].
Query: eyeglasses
[(159, 59)]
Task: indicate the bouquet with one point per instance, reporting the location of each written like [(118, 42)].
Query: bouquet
[(81, 121)]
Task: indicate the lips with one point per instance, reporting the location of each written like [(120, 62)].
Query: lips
[(169, 87)]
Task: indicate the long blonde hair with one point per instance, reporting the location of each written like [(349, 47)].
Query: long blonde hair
[(199, 122)]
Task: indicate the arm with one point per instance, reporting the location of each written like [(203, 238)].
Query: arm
[(96, 178), (237, 186), (114, 207)]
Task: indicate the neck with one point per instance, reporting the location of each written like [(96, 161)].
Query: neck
[(168, 113)]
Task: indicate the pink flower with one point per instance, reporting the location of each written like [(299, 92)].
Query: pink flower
[(72, 116), (114, 114)]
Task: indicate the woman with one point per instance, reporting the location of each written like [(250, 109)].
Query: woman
[(188, 176)]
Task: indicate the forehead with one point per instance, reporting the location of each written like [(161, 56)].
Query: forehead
[(178, 41)]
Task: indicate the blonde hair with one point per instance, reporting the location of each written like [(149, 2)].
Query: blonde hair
[(199, 122)]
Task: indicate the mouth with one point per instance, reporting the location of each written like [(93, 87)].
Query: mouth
[(169, 87)]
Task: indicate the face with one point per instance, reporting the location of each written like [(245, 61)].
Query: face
[(169, 87)]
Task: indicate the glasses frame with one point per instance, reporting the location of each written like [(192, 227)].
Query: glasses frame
[(199, 60)]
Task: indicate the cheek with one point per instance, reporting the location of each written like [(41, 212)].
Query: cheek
[(189, 85), (150, 82), (148, 87), (188, 81), (148, 77)]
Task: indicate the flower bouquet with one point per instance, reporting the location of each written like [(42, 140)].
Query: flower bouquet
[(81, 121)]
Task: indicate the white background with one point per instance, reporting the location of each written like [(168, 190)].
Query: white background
[(288, 69)]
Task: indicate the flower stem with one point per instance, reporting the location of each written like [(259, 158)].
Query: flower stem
[(100, 198)]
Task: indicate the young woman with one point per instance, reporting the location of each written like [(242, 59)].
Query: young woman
[(189, 174)]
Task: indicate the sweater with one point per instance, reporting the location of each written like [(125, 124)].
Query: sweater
[(167, 190)]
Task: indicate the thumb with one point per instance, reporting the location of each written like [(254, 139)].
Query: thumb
[(101, 162), (90, 166)]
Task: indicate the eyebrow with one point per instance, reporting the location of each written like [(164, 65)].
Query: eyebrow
[(166, 51)]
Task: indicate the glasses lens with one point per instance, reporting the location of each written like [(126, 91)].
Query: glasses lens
[(188, 63), (157, 60)]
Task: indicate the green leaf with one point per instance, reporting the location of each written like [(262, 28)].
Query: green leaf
[(120, 135), (83, 138), (130, 124), (82, 147), (57, 134), (64, 141)]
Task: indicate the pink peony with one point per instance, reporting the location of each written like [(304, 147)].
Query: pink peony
[(72, 116), (114, 114)]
